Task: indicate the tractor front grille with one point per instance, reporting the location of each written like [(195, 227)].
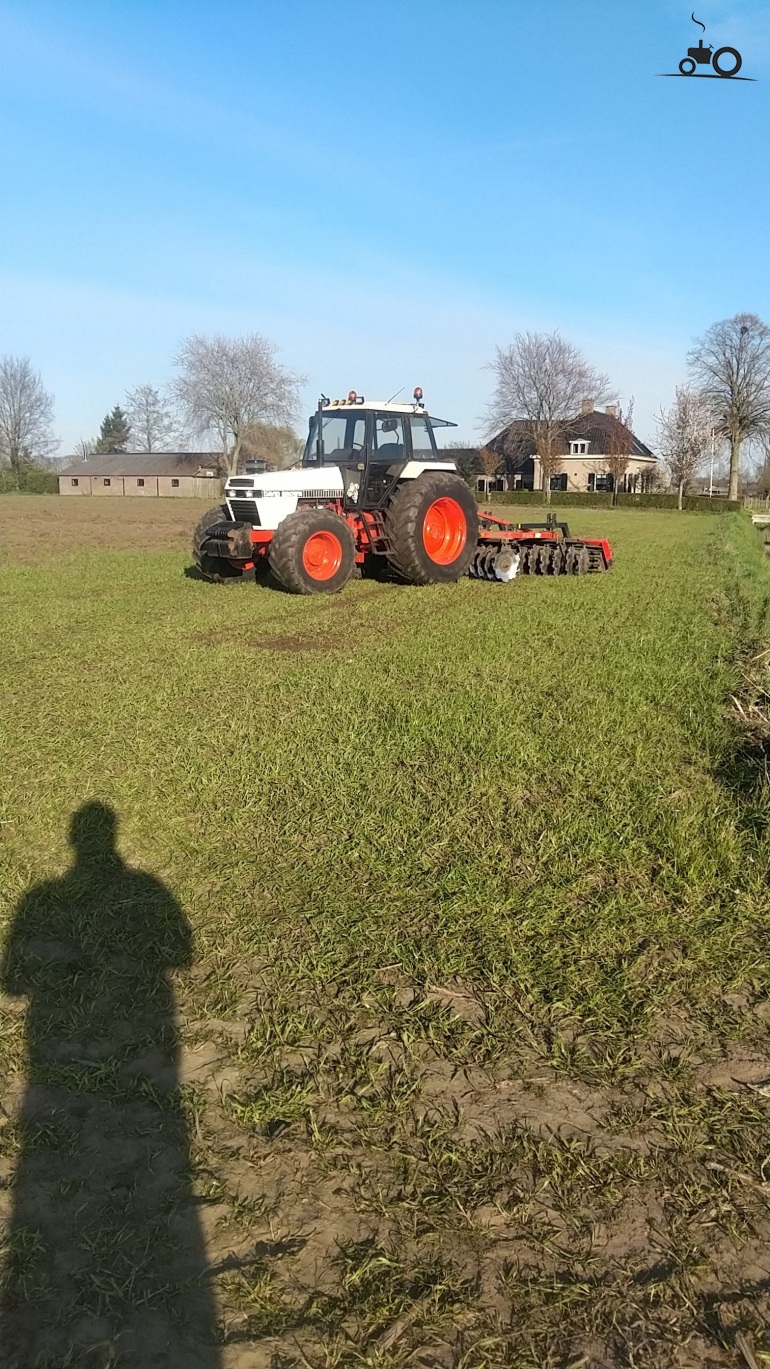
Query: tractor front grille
[(244, 510)]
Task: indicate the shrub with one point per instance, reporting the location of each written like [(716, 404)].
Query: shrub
[(29, 482), (694, 503), (558, 499)]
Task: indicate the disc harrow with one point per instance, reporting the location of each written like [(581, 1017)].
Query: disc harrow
[(506, 550)]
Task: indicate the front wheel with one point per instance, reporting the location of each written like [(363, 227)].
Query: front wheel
[(687, 66), (212, 567), (432, 525), (313, 552)]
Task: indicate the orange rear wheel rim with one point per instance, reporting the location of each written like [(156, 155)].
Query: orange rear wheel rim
[(444, 530), (322, 555)]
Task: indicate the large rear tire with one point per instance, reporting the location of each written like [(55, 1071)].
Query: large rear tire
[(313, 551), (432, 525), (215, 568)]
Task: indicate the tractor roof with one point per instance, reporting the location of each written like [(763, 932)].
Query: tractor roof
[(359, 403)]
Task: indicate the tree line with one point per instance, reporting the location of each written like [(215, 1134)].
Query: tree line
[(235, 392)]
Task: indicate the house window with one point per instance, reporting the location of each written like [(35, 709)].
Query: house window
[(140, 482), (578, 448), (107, 482), (75, 482), (559, 482), (175, 484), (600, 483)]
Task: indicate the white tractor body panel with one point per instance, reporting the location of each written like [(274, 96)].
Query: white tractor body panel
[(265, 500), (414, 468)]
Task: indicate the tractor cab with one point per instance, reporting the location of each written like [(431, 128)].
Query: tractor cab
[(373, 444)]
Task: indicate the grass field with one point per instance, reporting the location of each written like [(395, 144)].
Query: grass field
[(426, 1021)]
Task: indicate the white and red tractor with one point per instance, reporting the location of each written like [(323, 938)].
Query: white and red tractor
[(374, 491)]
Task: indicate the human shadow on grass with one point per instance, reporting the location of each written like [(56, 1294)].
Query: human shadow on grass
[(104, 1258)]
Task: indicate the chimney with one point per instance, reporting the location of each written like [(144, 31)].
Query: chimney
[(587, 407), (612, 410)]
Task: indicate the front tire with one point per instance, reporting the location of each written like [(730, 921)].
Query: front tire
[(313, 552), (215, 568), (432, 525)]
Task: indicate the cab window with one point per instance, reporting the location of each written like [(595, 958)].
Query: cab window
[(389, 437), (344, 435), (422, 447)]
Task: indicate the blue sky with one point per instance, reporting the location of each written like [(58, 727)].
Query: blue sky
[(385, 189)]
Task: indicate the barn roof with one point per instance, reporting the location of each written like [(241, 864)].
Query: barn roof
[(143, 463)]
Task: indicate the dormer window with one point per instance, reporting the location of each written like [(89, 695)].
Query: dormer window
[(578, 448)]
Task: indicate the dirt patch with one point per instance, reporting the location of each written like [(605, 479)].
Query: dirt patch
[(36, 529)]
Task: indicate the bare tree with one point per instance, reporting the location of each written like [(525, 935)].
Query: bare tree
[(620, 445), (541, 380), (151, 420), (731, 365), (26, 414), (685, 435), (489, 462), (85, 448), (278, 447), (227, 383)]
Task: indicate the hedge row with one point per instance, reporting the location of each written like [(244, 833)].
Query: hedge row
[(697, 503), (29, 482)]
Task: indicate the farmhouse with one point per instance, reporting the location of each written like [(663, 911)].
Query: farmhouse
[(149, 474), (583, 462)]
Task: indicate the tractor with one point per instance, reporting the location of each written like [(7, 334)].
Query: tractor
[(705, 56), (374, 494)]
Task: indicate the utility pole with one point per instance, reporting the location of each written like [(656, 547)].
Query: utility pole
[(711, 475)]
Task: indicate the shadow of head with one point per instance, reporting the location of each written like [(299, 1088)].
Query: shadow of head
[(92, 834)]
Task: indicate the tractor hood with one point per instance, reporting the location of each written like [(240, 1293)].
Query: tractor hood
[(294, 481)]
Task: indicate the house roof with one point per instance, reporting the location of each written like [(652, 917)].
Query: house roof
[(515, 441), (143, 463)]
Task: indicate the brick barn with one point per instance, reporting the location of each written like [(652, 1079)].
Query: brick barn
[(193, 475)]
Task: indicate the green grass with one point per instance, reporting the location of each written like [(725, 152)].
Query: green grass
[(477, 878)]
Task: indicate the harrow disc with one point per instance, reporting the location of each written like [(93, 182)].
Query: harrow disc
[(481, 565), (556, 566), (489, 563), (542, 557), (507, 564), (577, 561)]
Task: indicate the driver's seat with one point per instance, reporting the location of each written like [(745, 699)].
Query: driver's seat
[(389, 452)]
